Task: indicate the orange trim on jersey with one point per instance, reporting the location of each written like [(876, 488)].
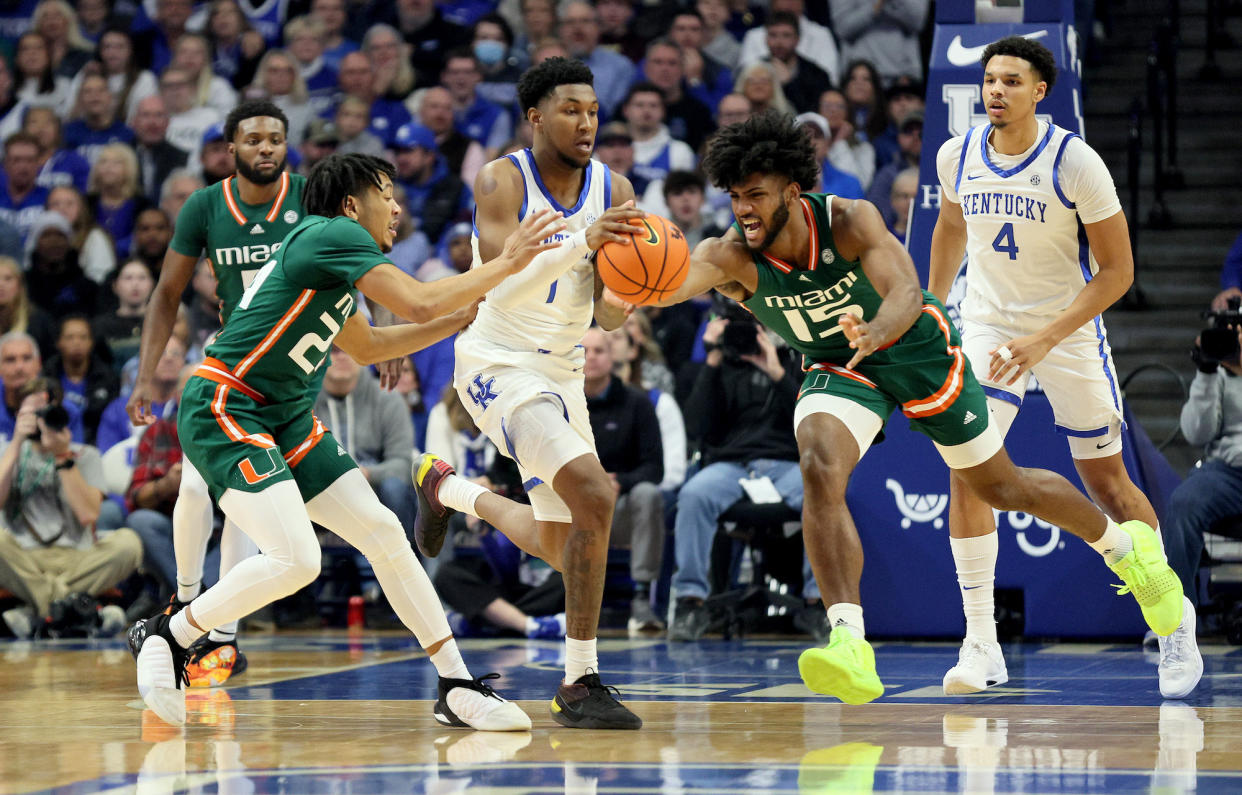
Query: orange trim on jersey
[(231, 202), (952, 386), (280, 197), (779, 263), (839, 370), (251, 358), (218, 371), (295, 456), (810, 222), (230, 426)]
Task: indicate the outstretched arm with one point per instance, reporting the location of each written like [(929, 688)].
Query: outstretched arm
[(948, 245), (860, 233), (717, 263), (367, 344)]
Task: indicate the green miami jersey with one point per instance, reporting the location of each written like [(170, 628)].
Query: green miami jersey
[(237, 238), (282, 328), (803, 306)]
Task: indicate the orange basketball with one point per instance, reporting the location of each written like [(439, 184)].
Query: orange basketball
[(654, 264)]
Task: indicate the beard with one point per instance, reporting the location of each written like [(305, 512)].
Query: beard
[(258, 177), (779, 218)]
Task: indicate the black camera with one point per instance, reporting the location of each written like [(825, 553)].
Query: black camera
[(739, 338), (1219, 342), (54, 416)]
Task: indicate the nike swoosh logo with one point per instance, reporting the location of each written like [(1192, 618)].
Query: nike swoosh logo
[(574, 712), (1102, 446), (973, 176), (970, 587), (652, 237), (961, 55)]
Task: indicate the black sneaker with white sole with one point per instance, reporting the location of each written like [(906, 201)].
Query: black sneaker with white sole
[(161, 667)]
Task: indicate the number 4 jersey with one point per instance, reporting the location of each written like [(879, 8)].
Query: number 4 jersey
[(1027, 255), (282, 328)]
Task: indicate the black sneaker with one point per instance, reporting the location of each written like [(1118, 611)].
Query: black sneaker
[(161, 668), (211, 663), (431, 523), (690, 621), (477, 706), (590, 704), (173, 607)]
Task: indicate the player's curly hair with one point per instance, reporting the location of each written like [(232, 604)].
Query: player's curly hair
[(1037, 55), (250, 109), (768, 143), (338, 176), (542, 79)]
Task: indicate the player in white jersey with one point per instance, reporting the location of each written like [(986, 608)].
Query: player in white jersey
[(519, 370), (1035, 211)]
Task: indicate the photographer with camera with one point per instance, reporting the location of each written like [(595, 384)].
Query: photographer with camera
[(740, 412), (51, 489), (1212, 417)]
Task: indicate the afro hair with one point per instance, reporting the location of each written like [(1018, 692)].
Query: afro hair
[(250, 109), (768, 143), (542, 79)]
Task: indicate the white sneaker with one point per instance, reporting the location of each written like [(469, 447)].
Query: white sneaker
[(980, 665), (111, 620), (471, 703), (160, 669), (20, 621), (1181, 664)]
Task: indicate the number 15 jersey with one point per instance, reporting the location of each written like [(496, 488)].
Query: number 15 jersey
[(1027, 255)]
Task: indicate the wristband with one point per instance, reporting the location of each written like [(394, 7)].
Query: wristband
[(68, 463)]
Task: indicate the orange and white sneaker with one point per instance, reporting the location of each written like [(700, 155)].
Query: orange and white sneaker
[(213, 662)]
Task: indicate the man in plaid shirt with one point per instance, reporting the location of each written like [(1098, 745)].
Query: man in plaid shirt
[(152, 495)]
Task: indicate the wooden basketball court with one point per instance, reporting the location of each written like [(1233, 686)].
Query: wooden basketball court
[(338, 713)]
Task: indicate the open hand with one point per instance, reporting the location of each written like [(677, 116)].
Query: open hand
[(1014, 358), (861, 338), (532, 237)]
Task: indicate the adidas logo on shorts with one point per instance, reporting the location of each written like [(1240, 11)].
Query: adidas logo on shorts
[(970, 417)]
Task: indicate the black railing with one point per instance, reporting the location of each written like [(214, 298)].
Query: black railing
[(1134, 297)]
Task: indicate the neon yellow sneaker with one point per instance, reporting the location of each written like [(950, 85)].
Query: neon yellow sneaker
[(845, 669), (842, 768), (1146, 575)]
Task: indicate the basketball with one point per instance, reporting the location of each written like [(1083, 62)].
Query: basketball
[(654, 264)]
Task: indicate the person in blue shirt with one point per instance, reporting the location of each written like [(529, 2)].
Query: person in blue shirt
[(99, 125), (473, 116), (435, 195), (21, 198), (20, 363), (579, 30), (57, 165)]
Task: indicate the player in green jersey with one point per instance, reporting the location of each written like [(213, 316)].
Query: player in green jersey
[(825, 274), (237, 224), (245, 421)]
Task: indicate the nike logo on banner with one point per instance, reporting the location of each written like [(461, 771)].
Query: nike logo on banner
[(960, 55)]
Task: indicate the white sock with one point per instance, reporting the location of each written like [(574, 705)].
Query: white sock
[(1114, 545), (459, 494), (186, 593), (975, 559), (224, 633), (448, 661), (1160, 538), (183, 631), (848, 615), (580, 658)]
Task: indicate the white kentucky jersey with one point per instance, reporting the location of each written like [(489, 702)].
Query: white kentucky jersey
[(554, 321), (1027, 253)]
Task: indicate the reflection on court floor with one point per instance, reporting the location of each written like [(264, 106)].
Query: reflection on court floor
[(335, 713)]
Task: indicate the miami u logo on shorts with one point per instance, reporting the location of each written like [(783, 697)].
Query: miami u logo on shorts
[(259, 467)]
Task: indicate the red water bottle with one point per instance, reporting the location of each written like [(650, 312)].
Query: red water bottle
[(356, 617)]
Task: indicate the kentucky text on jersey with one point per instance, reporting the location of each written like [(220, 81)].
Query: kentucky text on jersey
[(1004, 204)]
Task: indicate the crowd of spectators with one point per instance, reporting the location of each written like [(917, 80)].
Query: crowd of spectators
[(111, 115)]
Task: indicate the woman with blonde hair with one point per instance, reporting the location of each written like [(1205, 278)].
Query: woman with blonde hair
[(96, 252), (57, 23), (279, 79), (115, 198), (759, 84), (18, 313), (192, 55), (390, 58)]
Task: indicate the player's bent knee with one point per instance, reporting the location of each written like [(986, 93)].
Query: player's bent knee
[(822, 472)]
